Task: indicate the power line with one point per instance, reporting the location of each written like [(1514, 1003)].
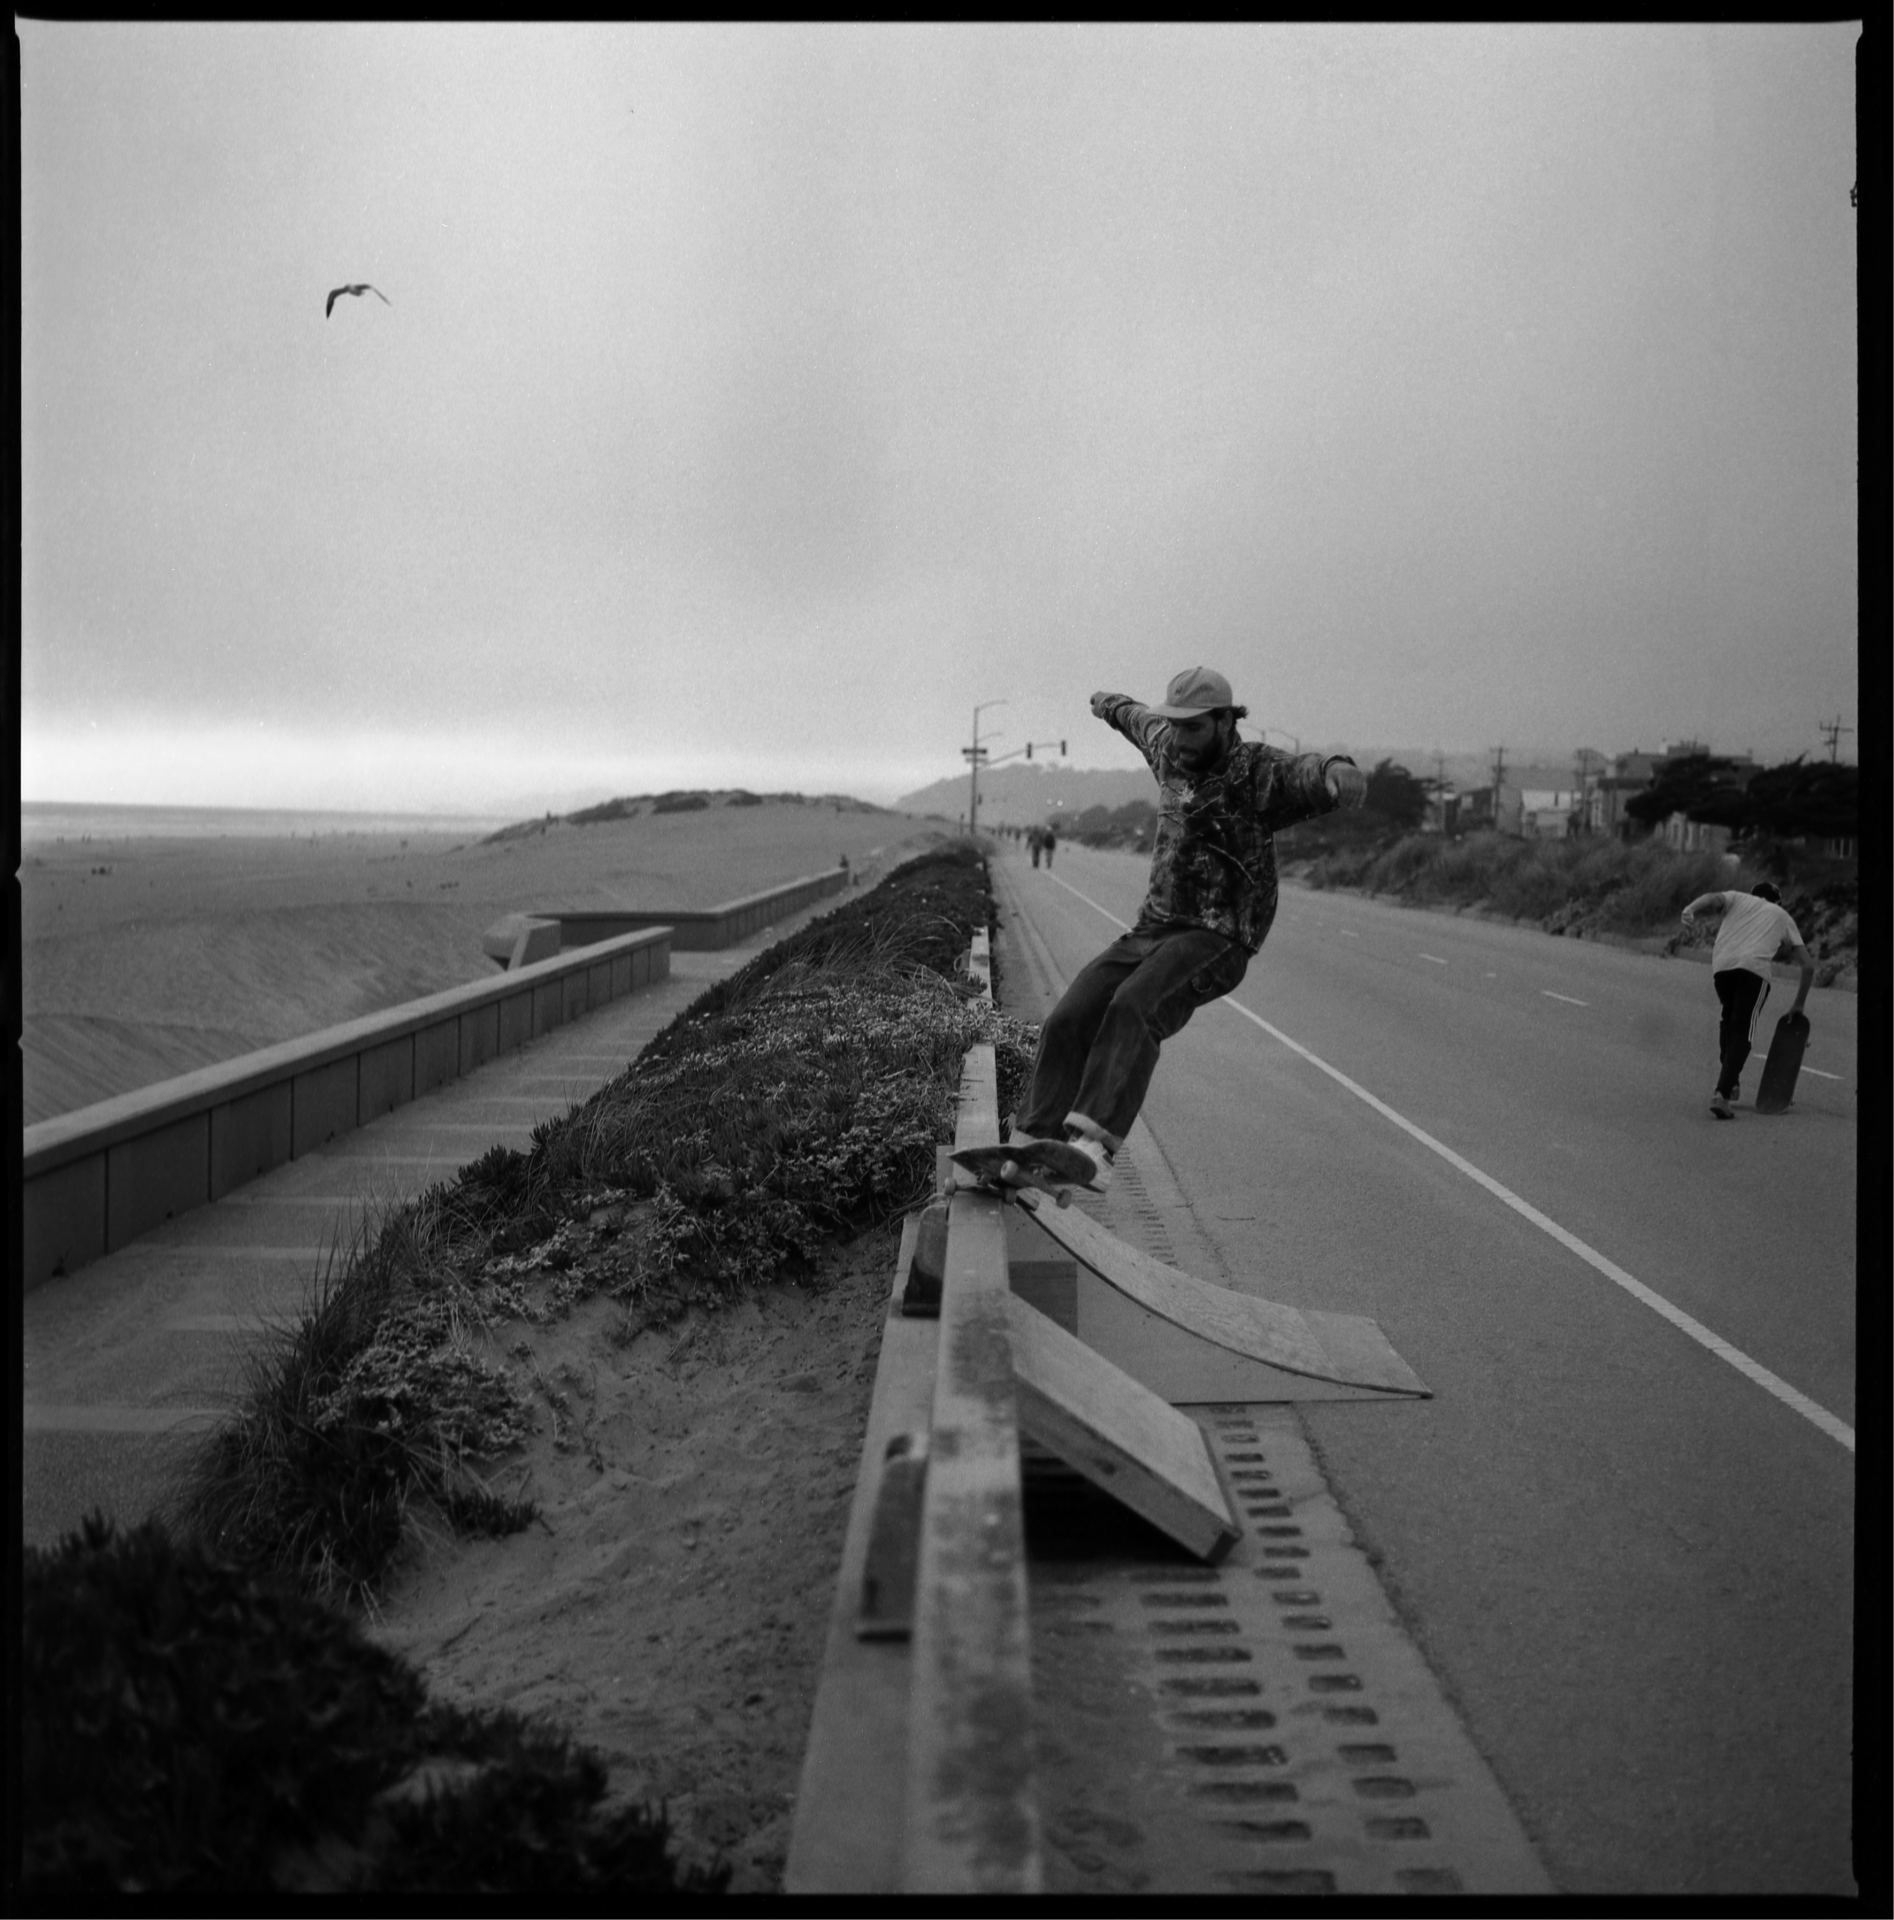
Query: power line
[(1832, 730)]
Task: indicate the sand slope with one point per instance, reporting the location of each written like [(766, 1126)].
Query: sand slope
[(670, 1608), (141, 959)]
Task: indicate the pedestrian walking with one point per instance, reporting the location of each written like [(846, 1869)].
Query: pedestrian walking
[(1755, 930), (1049, 840), (1032, 840), (1211, 899)]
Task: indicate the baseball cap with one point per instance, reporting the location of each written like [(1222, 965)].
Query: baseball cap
[(1195, 692)]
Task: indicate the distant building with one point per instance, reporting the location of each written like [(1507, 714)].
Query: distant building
[(1536, 803), (1685, 835), (1443, 808), (1630, 774)]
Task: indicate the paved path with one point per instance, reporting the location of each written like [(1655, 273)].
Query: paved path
[(131, 1358), (1628, 1559)]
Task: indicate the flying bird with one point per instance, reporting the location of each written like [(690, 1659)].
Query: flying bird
[(361, 286)]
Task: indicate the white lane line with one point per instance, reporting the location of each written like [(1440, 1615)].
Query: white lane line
[(1347, 933), (1817, 1415), (1566, 997), (1820, 1075), (1435, 958)]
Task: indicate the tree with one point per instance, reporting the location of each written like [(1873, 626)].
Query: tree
[(1794, 801), (1701, 786), (1396, 795)]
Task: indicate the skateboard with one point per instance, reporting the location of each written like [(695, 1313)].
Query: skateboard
[(1777, 1087), (1050, 1165)]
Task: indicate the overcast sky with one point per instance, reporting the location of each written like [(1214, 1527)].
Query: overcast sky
[(754, 401)]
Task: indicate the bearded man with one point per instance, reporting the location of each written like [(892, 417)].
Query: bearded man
[(1212, 897)]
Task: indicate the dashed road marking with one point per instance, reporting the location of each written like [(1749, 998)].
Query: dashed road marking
[(1348, 933), (1435, 958), (1817, 1415), (1566, 997), (1820, 1075)]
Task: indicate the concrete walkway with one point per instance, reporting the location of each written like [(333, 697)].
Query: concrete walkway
[(131, 1360)]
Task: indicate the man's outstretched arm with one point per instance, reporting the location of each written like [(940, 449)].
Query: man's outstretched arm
[(1344, 780), (1131, 717)]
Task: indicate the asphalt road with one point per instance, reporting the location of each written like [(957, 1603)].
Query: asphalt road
[(1621, 1532)]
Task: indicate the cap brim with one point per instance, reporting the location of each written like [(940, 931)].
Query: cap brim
[(1185, 713)]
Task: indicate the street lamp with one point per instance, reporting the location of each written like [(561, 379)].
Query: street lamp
[(975, 754)]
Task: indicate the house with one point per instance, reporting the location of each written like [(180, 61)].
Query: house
[(1537, 803), (1630, 774), (1684, 835), (1443, 808)]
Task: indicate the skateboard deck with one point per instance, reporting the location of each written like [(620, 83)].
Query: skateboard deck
[(1049, 1165), (1777, 1087)]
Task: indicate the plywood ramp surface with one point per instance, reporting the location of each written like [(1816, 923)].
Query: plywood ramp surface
[(1119, 1435), (1261, 1329)]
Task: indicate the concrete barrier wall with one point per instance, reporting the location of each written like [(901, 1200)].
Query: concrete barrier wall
[(698, 930), (94, 1179)]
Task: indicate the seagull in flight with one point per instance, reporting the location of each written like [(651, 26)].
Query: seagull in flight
[(361, 286)]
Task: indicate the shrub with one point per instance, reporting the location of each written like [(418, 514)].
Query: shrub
[(189, 1726)]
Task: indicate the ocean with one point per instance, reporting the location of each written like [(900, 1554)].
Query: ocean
[(43, 822)]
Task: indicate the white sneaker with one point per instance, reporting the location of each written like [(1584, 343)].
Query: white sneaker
[(1099, 1155)]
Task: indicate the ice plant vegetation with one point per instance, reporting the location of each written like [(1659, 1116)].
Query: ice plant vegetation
[(790, 1107)]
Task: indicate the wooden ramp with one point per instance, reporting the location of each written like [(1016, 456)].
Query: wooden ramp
[(1186, 1340)]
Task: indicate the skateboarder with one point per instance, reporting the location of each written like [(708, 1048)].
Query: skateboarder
[(1755, 929), (1211, 900)]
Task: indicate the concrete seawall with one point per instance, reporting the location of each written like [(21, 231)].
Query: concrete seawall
[(96, 1178), (93, 1179), (521, 937)]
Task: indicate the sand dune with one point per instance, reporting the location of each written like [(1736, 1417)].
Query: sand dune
[(142, 959)]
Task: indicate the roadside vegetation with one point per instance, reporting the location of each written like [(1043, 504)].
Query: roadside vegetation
[(788, 1109), (1588, 888), (1580, 887)]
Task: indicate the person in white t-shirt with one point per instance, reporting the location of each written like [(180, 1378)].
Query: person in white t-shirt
[(1755, 930)]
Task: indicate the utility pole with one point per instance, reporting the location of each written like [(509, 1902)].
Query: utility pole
[(1583, 769), (1832, 730), (1499, 774)]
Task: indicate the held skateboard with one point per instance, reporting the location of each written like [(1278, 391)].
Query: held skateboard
[(1051, 1165), (1777, 1087)]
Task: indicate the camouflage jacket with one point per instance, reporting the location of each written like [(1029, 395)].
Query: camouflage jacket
[(1214, 864)]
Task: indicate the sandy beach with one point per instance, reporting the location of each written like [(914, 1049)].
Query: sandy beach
[(142, 957)]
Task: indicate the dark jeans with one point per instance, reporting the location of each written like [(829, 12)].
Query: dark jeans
[(1099, 1046), (1742, 994)]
